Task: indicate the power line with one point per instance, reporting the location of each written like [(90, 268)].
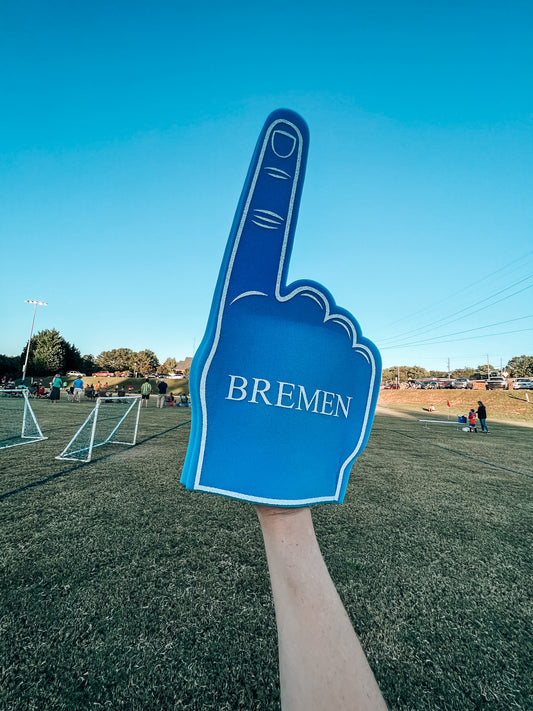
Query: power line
[(432, 342), (478, 328), (447, 320), (432, 306)]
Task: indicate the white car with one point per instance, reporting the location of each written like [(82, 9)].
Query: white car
[(523, 384), (497, 384), (462, 383)]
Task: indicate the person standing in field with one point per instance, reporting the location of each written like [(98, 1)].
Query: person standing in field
[(146, 389), (55, 392), (482, 414), (78, 389), (162, 388)]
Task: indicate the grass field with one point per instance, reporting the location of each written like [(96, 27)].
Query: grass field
[(510, 406), (121, 590)]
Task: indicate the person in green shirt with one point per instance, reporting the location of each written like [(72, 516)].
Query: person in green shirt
[(56, 388), (146, 389)]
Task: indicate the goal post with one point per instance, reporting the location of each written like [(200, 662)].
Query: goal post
[(114, 420), (18, 424)]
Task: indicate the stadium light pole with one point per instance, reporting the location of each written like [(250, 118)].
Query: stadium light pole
[(36, 304)]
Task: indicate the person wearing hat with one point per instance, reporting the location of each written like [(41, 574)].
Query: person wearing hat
[(162, 389)]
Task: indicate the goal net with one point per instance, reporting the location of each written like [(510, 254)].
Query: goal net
[(114, 420), (18, 424)]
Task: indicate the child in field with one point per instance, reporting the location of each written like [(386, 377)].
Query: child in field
[(472, 421)]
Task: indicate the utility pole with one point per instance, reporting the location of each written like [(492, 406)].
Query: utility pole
[(449, 372)]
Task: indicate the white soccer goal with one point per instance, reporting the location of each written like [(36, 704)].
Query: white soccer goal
[(114, 420), (18, 424)]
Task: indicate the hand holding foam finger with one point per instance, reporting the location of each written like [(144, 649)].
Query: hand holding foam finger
[(283, 385)]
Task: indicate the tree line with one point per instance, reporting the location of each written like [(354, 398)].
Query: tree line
[(124, 359), (517, 367), (51, 353)]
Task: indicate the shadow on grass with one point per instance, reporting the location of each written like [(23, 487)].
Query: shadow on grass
[(82, 465), (159, 434), (57, 475), (458, 453)]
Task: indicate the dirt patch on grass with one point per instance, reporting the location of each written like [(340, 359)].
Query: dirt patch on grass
[(384, 410)]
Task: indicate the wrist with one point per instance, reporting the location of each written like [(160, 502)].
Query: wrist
[(286, 527)]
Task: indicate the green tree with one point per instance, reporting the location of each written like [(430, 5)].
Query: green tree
[(464, 372), (73, 359), (520, 366), (10, 366), (48, 353), (89, 364), (146, 361), (103, 360), (117, 359), (389, 374), (416, 372), (485, 368), (407, 372), (169, 366)]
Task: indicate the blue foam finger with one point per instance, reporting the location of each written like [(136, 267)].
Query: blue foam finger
[(283, 385)]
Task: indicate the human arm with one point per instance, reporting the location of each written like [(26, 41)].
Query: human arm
[(322, 664)]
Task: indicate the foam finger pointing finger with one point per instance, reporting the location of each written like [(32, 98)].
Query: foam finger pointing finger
[(263, 229)]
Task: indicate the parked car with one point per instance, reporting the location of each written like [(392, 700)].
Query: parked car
[(523, 384), (103, 374), (392, 386), (499, 383), (445, 384), (75, 373), (464, 383)]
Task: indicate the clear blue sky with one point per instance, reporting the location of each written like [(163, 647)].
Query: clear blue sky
[(127, 129)]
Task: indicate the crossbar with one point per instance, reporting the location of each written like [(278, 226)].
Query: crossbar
[(459, 425)]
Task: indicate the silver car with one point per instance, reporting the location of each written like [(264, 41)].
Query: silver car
[(462, 383), (497, 384), (523, 384)]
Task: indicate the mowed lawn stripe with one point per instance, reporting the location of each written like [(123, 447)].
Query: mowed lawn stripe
[(122, 590), (463, 454)]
